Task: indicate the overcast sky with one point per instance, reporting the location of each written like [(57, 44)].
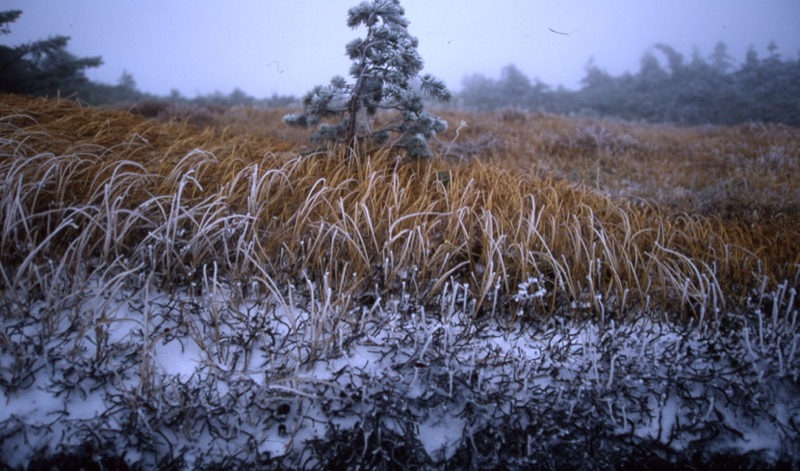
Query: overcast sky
[(288, 46)]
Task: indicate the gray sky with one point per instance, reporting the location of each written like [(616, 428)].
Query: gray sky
[(288, 46)]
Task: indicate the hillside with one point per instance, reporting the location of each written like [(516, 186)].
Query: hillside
[(223, 294)]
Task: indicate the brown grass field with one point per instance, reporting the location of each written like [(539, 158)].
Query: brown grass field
[(610, 219)]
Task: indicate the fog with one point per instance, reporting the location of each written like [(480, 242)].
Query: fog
[(288, 46)]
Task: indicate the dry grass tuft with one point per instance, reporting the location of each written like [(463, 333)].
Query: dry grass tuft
[(537, 217)]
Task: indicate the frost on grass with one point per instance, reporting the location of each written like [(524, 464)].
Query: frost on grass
[(282, 379)]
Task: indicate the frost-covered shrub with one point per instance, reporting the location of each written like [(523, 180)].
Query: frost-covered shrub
[(384, 62)]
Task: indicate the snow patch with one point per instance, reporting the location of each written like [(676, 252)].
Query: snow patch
[(156, 376)]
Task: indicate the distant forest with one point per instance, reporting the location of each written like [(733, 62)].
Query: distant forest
[(712, 90), (698, 91), (47, 68)]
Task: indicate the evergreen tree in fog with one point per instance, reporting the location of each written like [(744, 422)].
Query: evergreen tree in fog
[(384, 62), (41, 67)]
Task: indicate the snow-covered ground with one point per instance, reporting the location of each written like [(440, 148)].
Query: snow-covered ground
[(229, 378)]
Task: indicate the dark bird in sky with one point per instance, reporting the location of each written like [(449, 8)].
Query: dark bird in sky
[(559, 32)]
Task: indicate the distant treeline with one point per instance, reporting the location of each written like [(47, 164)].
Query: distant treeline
[(125, 91), (46, 68), (702, 90)]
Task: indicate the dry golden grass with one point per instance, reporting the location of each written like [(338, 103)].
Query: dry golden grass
[(610, 219)]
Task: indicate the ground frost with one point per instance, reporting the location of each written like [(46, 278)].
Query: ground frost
[(191, 381)]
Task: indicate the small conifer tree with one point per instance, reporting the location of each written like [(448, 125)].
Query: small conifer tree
[(384, 62)]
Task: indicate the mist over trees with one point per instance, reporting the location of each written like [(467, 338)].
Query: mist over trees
[(667, 88), (42, 67), (47, 68)]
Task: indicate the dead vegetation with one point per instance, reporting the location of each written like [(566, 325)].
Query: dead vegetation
[(609, 218), (548, 291)]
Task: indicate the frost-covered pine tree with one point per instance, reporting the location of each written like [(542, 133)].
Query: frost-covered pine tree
[(384, 62)]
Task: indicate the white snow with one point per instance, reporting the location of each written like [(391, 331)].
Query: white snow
[(441, 435), (267, 377)]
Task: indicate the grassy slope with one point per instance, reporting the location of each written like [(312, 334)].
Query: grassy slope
[(178, 296), (609, 218)]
